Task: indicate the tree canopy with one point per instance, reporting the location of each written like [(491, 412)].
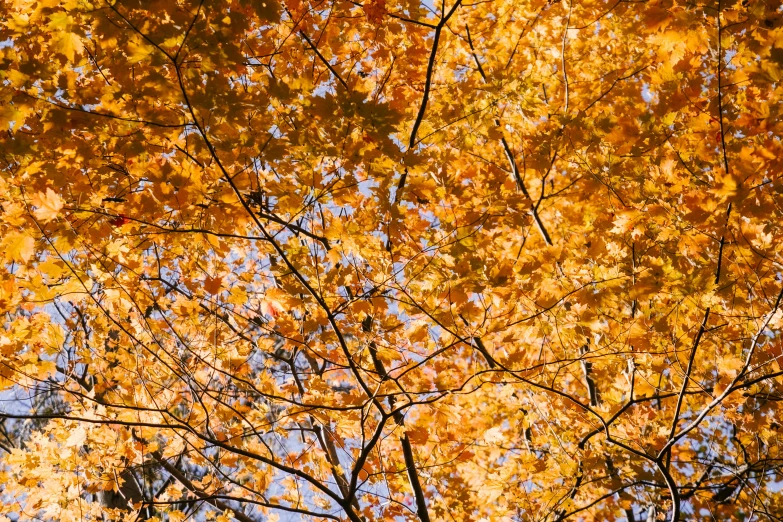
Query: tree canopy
[(498, 260)]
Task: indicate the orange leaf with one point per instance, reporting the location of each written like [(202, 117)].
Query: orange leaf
[(375, 10), (213, 284), (271, 307), (418, 435)]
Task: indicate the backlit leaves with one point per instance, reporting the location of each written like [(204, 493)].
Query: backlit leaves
[(237, 285), (48, 205)]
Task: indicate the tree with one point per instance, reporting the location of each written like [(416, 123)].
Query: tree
[(392, 260)]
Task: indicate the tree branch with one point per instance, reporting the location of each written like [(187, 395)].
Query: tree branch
[(407, 448), (324, 60), (510, 155), (428, 78)]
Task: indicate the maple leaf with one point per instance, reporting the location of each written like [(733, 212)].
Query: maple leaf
[(212, 285), (68, 44), (48, 205), (375, 10), (497, 261), (18, 247), (270, 307), (418, 436), (727, 187)]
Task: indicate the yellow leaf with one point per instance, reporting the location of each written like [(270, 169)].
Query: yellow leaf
[(67, 44), (137, 52), (60, 21), (76, 437), (48, 205), (18, 247), (726, 187), (177, 516)]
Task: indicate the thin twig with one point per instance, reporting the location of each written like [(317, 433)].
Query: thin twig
[(324, 60), (688, 371), (722, 142), (563, 53), (407, 448)]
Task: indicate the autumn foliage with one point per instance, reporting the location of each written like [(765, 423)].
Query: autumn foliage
[(507, 260)]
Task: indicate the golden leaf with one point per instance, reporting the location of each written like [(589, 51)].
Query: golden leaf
[(48, 205), (18, 247)]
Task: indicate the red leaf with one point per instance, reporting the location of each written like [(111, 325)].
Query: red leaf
[(119, 221)]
